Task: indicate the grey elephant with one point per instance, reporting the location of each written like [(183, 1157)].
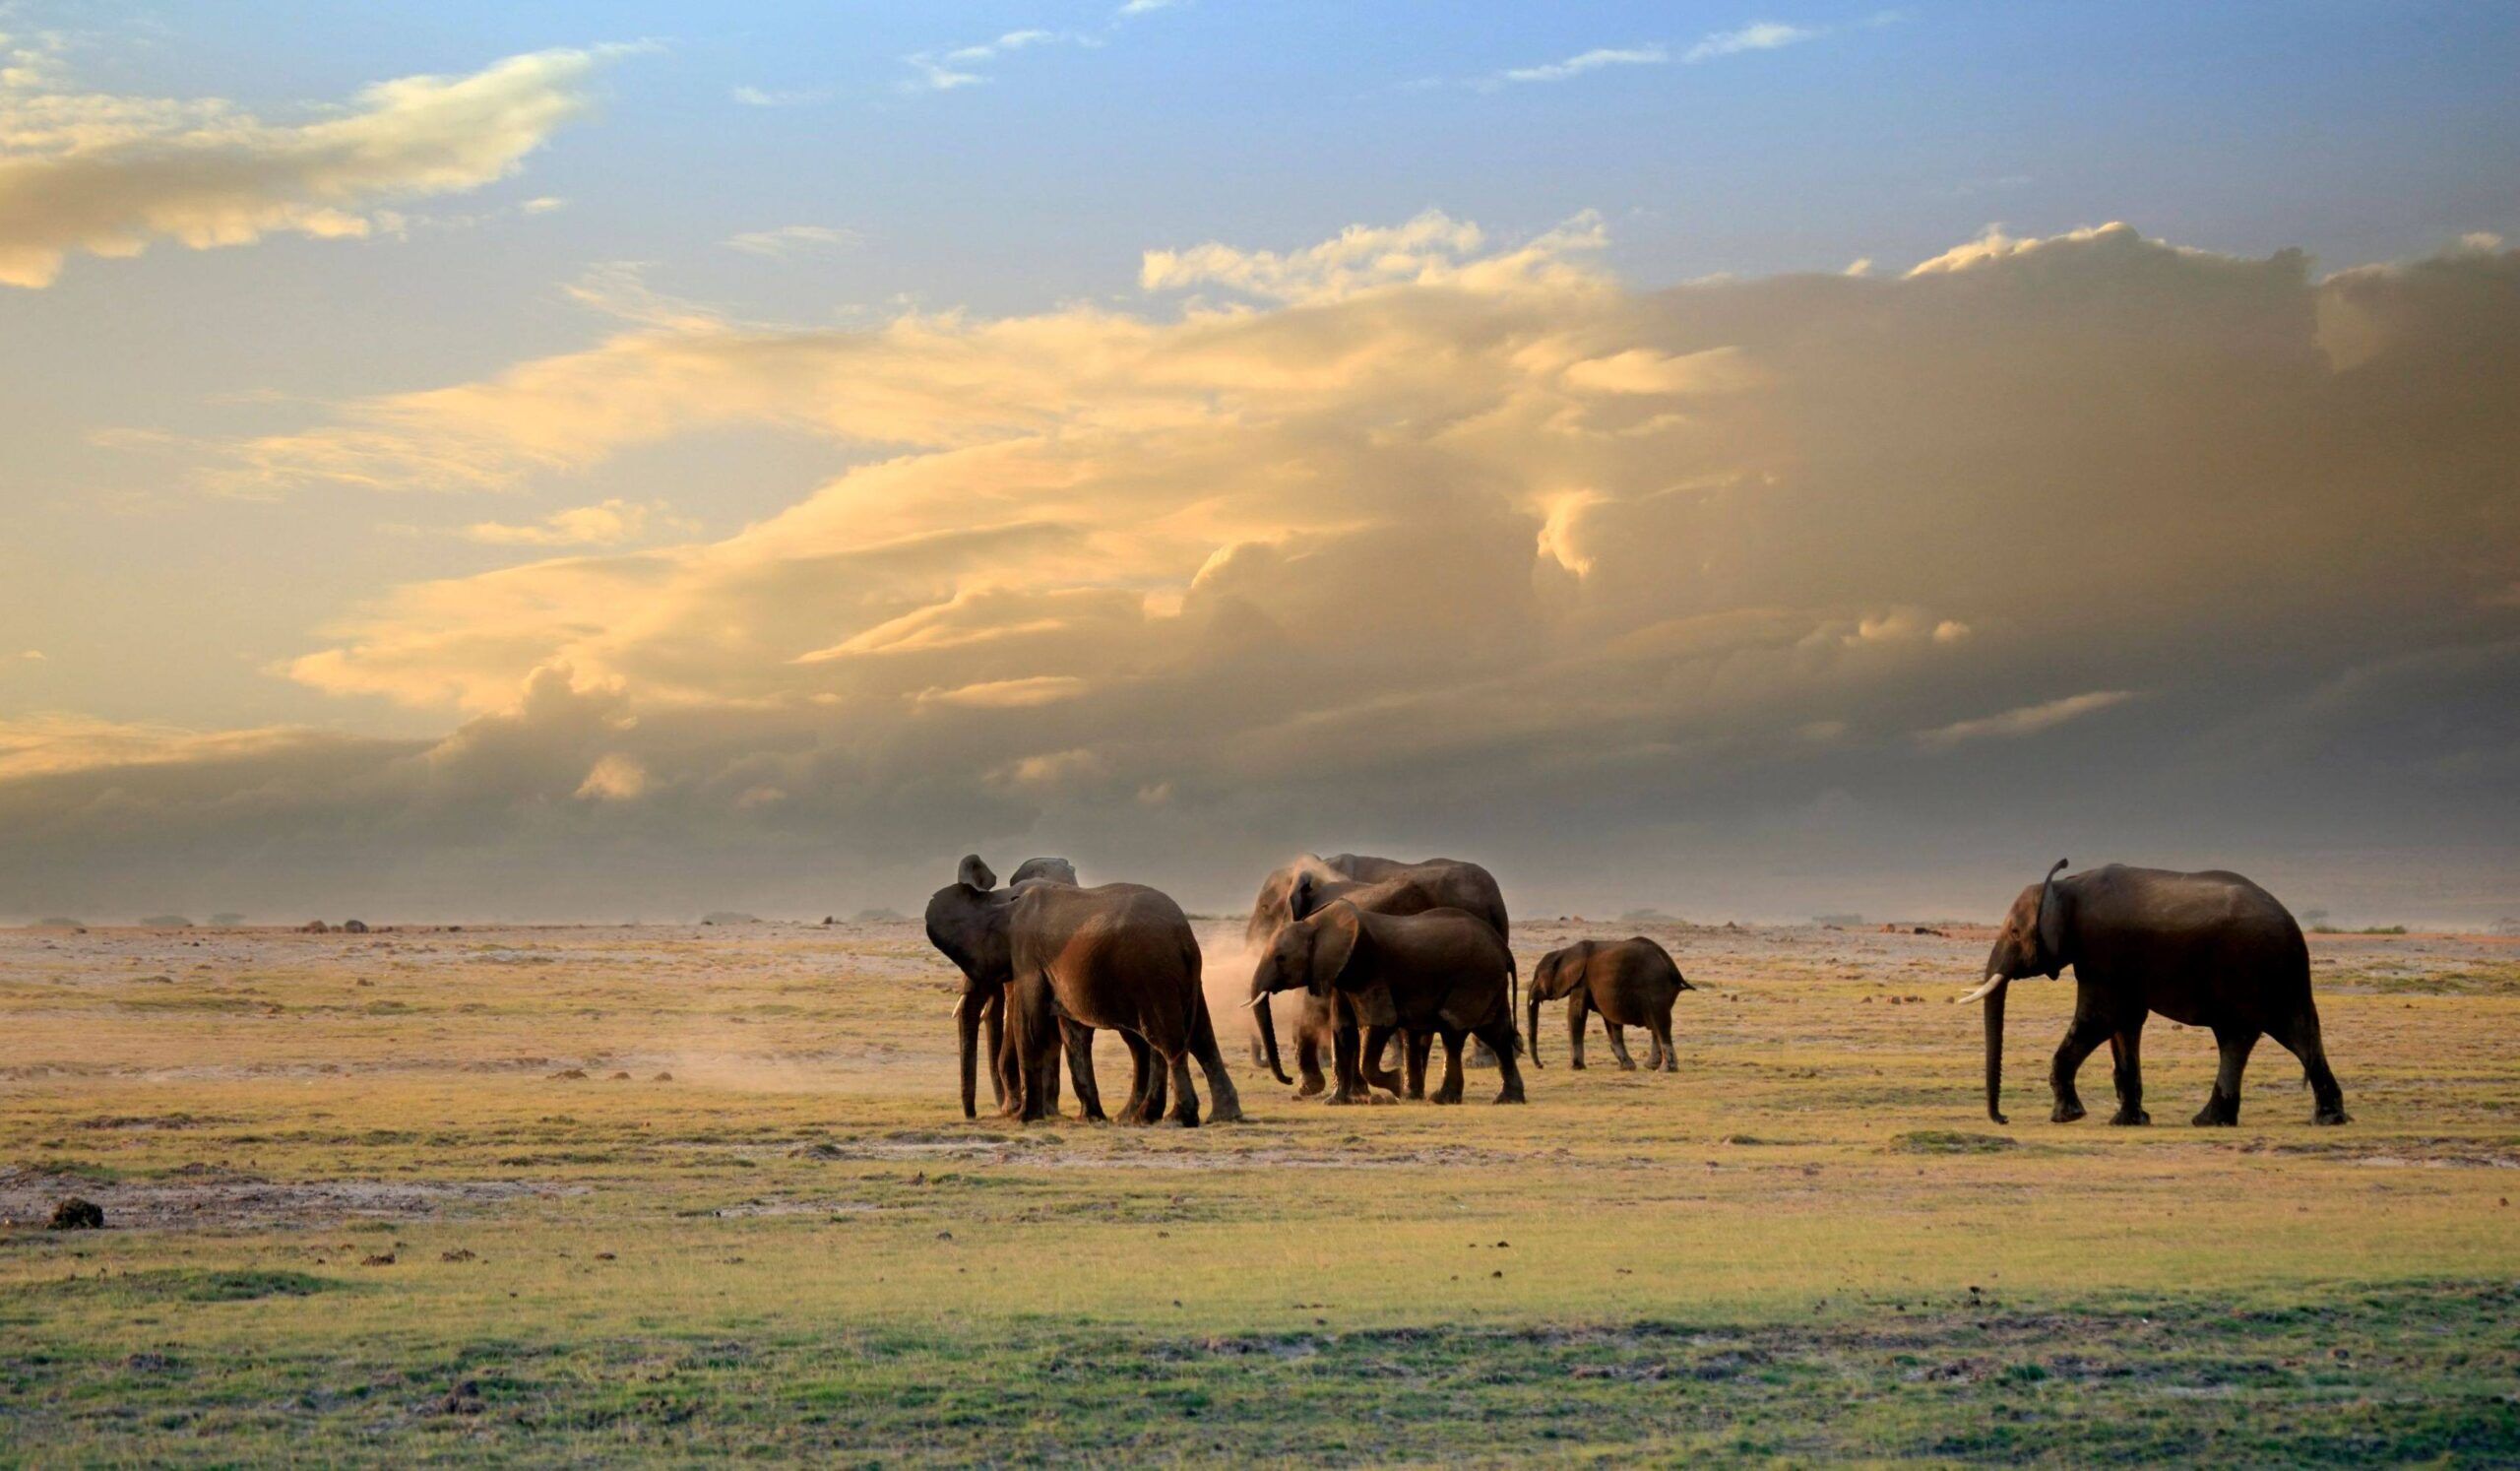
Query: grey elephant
[(1631, 983), (2208, 950), (1064, 961), (1378, 885), (1444, 972)]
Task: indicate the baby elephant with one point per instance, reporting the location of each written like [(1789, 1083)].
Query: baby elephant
[(1631, 983), (1444, 971)]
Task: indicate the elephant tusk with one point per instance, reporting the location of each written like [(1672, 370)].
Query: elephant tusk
[(1255, 1000), (1980, 994)]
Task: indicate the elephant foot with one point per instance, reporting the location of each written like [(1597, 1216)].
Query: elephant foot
[(2332, 1116), (1227, 1114), (2213, 1117), (2130, 1118), (1576, 1063), (1627, 1067), (1345, 1100), (1312, 1088), (1511, 1096), (1450, 1096), (2066, 1112)]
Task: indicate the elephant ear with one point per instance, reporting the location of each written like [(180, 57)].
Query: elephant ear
[(2055, 916), (976, 873), (1336, 936), (1300, 898), (1056, 869)]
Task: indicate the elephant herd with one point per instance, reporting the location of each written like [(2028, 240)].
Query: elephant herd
[(1373, 952)]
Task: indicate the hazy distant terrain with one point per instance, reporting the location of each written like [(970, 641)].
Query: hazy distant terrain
[(595, 1193)]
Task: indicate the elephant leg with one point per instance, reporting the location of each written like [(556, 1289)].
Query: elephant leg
[(1499, 1037), (2126, 1051), (1449, 1090), (1346, 1046), (2086, 1032), (1377, 1042), (1141, 1073), (1619, 1043), (1185, 1099), (1158, 1085), (2223, 1105), (1079, 1067), (1225, 1105), (1578, 1007), (993, 1032), (1419, 1044), (2299, 1036), (1309, 1062), (1663, 1040)]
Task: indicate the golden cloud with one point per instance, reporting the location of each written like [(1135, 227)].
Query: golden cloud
[(108, 174), (1422, 525)]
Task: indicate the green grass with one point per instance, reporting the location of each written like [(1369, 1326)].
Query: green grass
[(1807, 1246)]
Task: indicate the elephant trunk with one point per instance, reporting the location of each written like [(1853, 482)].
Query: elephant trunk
[(1269, 1039), (967, 1026), (1531, 1026), (1995, 1052)]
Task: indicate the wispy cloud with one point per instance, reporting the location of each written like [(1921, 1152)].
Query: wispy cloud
[(945, 71), (2025, 720), (794, 239), (758, 96), (609, 523), (1760, 35), (1589, 61)]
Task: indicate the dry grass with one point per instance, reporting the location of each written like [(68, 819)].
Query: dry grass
[(796, 1245)]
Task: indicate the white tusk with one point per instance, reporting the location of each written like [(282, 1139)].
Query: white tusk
[(1255, 1000), (1992, 981)]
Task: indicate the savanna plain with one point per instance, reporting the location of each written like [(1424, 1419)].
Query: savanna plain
[(570, 1194)]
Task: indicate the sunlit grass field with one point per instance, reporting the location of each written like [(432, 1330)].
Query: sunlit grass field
[(576, 1194)]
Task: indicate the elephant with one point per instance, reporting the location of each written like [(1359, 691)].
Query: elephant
[(1379, 884), (989, 1003), (1631, 983), (2207, 949), (1063, 961), (1442, 971)]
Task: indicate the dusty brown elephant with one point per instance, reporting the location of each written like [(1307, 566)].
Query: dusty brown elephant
[(1631, 983), (1066, 961), (2208, 950), (1379, 885), (1445, 972)]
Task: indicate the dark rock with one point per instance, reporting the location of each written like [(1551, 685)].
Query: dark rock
[(76, 1214)]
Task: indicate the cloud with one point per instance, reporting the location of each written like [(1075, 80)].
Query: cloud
[(109, 175), (608, 523), (1589, 61), (1419, 537), (949, 70), (790, 240), (755, 96), (2025, 719), (1764, 36)]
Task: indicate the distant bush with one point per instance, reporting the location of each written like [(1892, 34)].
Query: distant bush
[(2369, 929), (728, 917), (166, 922), (1843, 921), (57, 921)]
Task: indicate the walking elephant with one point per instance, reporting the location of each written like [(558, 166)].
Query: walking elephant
[(1631, 983), (1064, 961), (2208, 950), (1379, 885), (1445, 972)]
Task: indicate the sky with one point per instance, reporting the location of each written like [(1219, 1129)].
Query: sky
[(628, 460)]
